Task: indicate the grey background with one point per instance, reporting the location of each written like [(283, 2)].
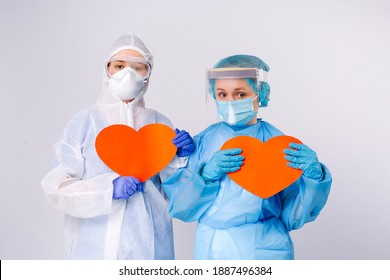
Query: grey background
[(329, 87)]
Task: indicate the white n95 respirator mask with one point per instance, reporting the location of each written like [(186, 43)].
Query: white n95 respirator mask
[(127, 84)]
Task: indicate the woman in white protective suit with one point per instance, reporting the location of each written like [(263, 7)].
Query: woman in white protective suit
[(108, 216)]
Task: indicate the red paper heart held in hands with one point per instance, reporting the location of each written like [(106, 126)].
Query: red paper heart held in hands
[(265, 171), (139, 154)]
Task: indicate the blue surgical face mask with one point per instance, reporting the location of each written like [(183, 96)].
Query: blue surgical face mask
[(236, 113)]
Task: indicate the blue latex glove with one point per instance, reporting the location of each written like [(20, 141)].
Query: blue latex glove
[(184, 143), (303, 158), (125, 186), (222, 162)]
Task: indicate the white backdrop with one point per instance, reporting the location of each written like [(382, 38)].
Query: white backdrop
[(329, 82)]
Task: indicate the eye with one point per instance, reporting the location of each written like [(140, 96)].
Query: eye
[(221, 94), (241, 95), (119, 67), (140, 67), (141, 70)]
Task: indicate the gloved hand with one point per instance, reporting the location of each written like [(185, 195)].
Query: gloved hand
[(125, 186), (184, 143), (303, 158), (222, 162)]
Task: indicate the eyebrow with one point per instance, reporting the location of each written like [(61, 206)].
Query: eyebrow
[(240, 88)]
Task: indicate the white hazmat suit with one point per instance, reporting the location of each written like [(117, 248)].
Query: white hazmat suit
[(80, 184)]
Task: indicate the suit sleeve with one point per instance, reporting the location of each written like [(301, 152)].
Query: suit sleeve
[(64, 186)]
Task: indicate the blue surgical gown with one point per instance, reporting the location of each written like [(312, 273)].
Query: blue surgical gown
[(232, 222)]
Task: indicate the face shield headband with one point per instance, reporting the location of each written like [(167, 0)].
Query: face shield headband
[(237, 73)]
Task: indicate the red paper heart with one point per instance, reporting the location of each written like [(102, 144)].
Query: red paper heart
[(139, 154), (265, 171)]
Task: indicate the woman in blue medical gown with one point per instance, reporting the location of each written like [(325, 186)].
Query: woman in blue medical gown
[(232, 222)]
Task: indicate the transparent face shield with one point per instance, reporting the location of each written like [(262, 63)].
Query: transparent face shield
[(118, 63), (259, 75)]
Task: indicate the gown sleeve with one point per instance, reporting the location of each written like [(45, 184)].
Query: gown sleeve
[(304, 199), (64, 186), (189, 195)]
